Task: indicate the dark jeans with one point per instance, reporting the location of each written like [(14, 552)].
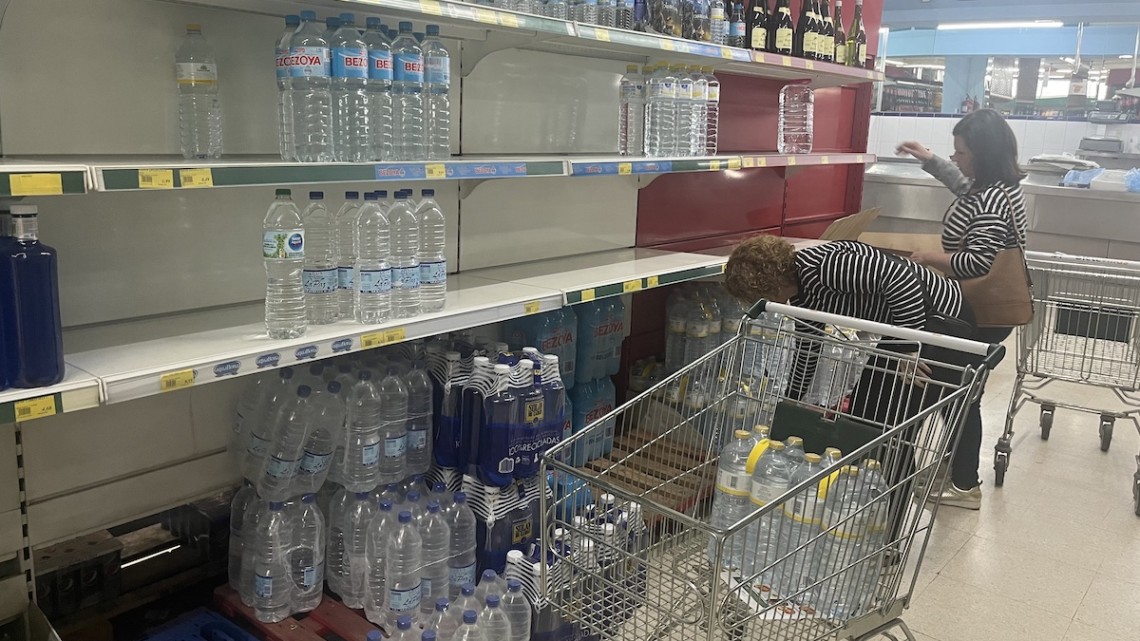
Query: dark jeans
[(967, 458)]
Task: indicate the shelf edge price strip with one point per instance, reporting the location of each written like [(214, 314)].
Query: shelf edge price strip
[(629, 286), (385, 337), (35, 184), (196, 178), (38, 407), (171, 381), (156, 179), (531, 307)]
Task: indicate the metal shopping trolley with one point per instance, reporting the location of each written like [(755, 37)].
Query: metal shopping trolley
[(1085, 330), (631, 554)]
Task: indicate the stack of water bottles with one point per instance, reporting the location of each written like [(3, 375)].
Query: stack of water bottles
[(368, 261), (361, 93), (668, 111), (601, 331), (832, 533)]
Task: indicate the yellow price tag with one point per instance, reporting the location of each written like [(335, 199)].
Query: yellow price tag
[(531, 307), (156, 179), (749, 162), (625, 168), (631, 286), (667, 45), (171, 381), (602, 34), (786, 61), (810, 64), (431, 7), (652, 281), (826, 160), (508, 20), (791, 161), (38, 407), (375, 339), (435, 171), (35, 184), (734, 163), (723, 267), (483, 15), (587, 295), (714, 165), (761, 162), (395, 335), (196, 178), (381, 338), (726, 53), (859, 159)]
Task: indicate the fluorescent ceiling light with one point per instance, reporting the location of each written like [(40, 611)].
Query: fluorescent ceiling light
[(1022, 24), (1125, 56)]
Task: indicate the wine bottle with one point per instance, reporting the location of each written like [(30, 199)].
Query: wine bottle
[(857, 39), (817, 29), (840, 51), (757, 26), (781, 29), (827, 37), (804, 39)]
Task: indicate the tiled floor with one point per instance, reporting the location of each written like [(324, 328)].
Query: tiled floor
[(1054, 555)]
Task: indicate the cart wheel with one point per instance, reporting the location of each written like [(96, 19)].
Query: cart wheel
[(1046, 422), (1001, 462), (1105, 434)]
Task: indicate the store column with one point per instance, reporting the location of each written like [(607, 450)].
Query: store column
[(965, 79)]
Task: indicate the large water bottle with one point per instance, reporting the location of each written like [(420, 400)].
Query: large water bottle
[(495, 464), (276, 480), (379, 90), (358, 518), (461, 548), (403, 562), (405, 264), (464, 602), (731, 501), (718, 22), (615, 334), (311, 96), (698, 338), (677, 316), (360, 468), (441, 622), (307, 554), (283, 248), (470, 631), (199, 106), (802, 515), (393, 428), (332, 23), (712, 111), (419, 425), (493, 621), (254, 513), (518, 611), (250, 408), (373, 272), (770, 478), (320, 275), (631, 122), (435, 578), (661, 113), (379, 531), (351, 120), (336, 562), (238, 506), (567, 346), (272, 585), (407, 94), (344, 228), (554, 405), (405, 631), (284, 105), (698, 116), (797, 113), (437, 83), (262, 427), (431, 255), (684, 135)]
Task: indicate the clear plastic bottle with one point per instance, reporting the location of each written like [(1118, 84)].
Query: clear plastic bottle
[(436, 537), (276, 479), (254, 513), (437, 103), (307, 554), (373, 272), (336, 562), (404, 559), (379, 531), (712, 112), (405, 631), (351, 118), (393, 396), (199, 105), (310, 70), (470, 631), (361, 465), (493, 621), (283, 249), (518, 611), (718, 22), (441, 622), (263, 426), (284, 105), (698, 115), (797, 113), (661, 113), (770, 478), (461, 550), (379, 90), (407, 94), (420, 419), (490, 583), (794, 450), (332, 23), (698, 340), (238, 506), (431, 255), (344, 228), (250, 408), (359, 513), (801, 516), (631, 121), (405, 264), (272, 585), (684, 134), (731, 501), (320, 275)]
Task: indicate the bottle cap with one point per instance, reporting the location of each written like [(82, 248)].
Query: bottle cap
[(813, 458), (467, 589), (433, 506), (304, 390), (362, 496), (283, 192), (514, 585), (400, 195), (428, 635), (308, 15), (433, 30), (515, 554), (316, 195), (459, 497), (404, 622), (441, 604), (347, 18), (381, 193), (24, 210), (776, 445), (795, 440), (742, 435), (386, 505), (413, 497), (439, 488), (363, 375), (276, 505), (489, 576), (427, 193), (492, 600), (292, 20), (351, 195), (308, 498), (374, 635), (332, 21), (286, 373), (405, 517), (334, 387), (469, 617), (405, 26), (372, 23)]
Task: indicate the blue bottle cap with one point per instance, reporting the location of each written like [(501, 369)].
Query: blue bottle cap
[(374, 635), (433, 506), (405, 517), (334, 387), (489, 575), (428, 635), (418, 36), (316, 369), (347, 18), (292, 20), (405, 26), (469, 617), (514, 585), (404, 622), (351, 195), (492, 600), (467, 589), (383, 193), (427, 193), (332, 22), (308, 498), (438, 488), (441, 604), (277, 506), (362, 496), (363, 375), (371, 195), (459, 497), (316, 195), (413, 496), (308, 15), (386, 505), (433, 30), (286, 373), (304, 390), (372, 23), (400, 195)]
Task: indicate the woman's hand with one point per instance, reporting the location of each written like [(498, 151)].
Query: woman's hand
[(916, 149), (913, 370)]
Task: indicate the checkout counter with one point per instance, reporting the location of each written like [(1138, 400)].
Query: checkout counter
[(1104, 224)]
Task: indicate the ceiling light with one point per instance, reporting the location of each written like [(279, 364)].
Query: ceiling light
[(1022, 24), (1125, 56)]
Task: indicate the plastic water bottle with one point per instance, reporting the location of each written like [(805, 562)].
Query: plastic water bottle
[(336, 562), (373, 272), (393, 428), (698, 117), (698, 341), (307, 554), (199, 106), (238, 506), (403, 561), (631, 124), (517, 609), (432, 254), (615, 334), (435, 577), (283, 248), (685, 110), (461, 549), (379, 89), (466, 601), (493, 621), (272, 585), (797, 113), (320, 275), (360, 468), (437, 83), (407, 93), (311, 96), (794, 450), (712, 111), (284, 106), (731, 501), (332, 23), (262, 427), (801, 522), (419, 425), (379, 532), (405, 631), (344, 228), (441, 622), (718, 22), (276, 480), (405, 264), (470, 631), (770, 479), (495, 464), (359, 513), (661, 113), (351, 120), (490, 583)]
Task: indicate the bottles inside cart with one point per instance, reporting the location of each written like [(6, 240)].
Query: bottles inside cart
[(351, 120), (310, 69), (403, 562), (854, 524), (307, 554), (284, 91), (269, 565), (199, 104), (437, 102), (32, 336), (319, 278), (661, 113), (379, 88), (770, 480), (631, 120), (731, 501), (408, 95), (432, 254), (373, 272), (462, 544), (283, 249), (757, 21), (344, 228), (797, 113), (405, 264), (802, 514)]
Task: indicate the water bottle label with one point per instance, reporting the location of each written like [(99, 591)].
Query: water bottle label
[(734, 484), (280, 468), (375, 281), (315, 462), (409, 67), (406, 277), (417, 440), (309, 62), (404, 600), (714, 93), (535, 412), (802, 509), (700, 92), (434, 273), (312, 576), (438, 70), (663, 90), (425, 588), (263, 585), (344, 277), (462, 574), (379, 64), (684, 88), (319, 281), (350, 62), (396, 447), (282, 63), (764, 493), (736, 29), (283, 244), (257, 446), (196, 73), (370, 455), (716, 13)]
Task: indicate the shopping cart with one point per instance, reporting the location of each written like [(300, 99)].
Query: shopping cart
[(1085, 330), (644, 563)]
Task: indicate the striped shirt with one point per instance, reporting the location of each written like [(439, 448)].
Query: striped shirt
[(978, 224)]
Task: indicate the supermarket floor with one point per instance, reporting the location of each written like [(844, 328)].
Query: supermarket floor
[(1054, 555)]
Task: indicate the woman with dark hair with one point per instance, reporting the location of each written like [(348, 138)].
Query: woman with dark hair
[(987, 217)]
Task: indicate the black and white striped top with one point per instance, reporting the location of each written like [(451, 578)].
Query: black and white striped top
[(980, 224)]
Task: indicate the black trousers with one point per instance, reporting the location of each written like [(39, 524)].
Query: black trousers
[(967, 458)]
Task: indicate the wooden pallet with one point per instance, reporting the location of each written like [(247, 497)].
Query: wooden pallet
[(331, 619)]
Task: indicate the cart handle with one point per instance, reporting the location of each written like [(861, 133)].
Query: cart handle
[(992, 353)]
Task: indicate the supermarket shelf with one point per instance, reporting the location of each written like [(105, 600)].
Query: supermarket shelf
[(805, 160), (20, 178), (630, 166), (78, 390)]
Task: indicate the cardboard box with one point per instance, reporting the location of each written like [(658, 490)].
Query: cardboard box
[(903, 244)]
